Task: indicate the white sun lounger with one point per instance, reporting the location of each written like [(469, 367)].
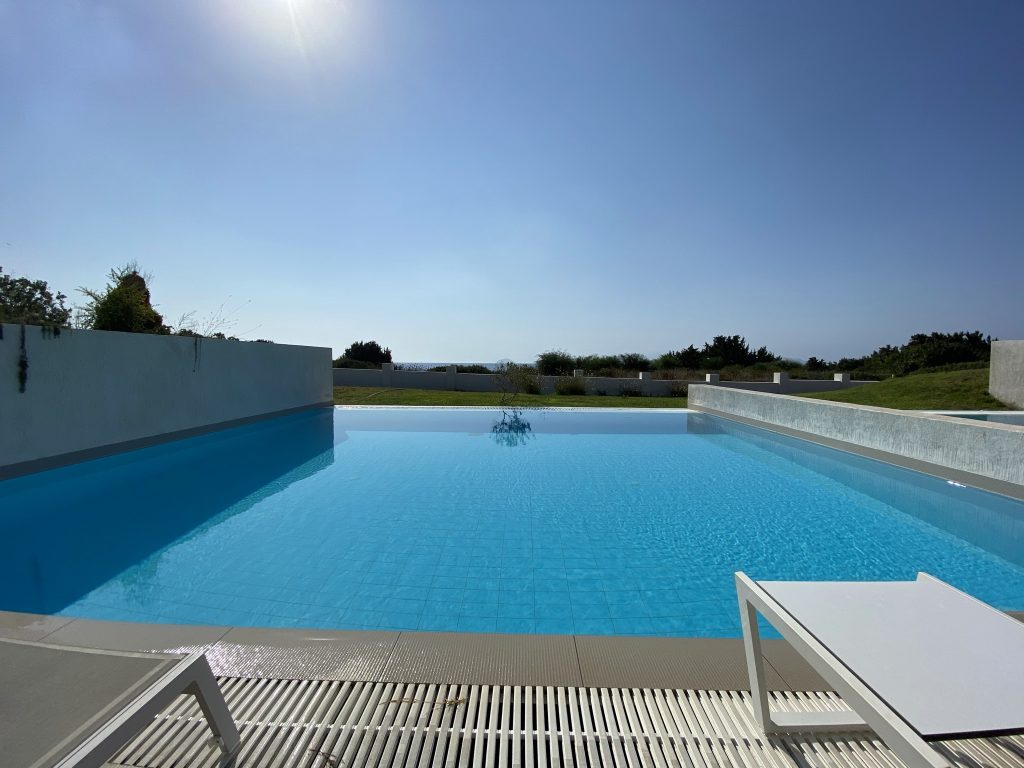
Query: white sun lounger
[(917, 661), (63, 707)]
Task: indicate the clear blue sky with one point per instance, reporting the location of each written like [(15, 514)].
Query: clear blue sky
[(481, 180)]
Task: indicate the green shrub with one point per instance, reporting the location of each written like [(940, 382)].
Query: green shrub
[(668, 362), (474, 368), (594, 363), (571, 385), (514, 379), (347, 362), (124, 305), (634, 361)]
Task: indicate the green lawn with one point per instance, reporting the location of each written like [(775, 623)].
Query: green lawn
[(949, 390), (383, 396), (946, 391)]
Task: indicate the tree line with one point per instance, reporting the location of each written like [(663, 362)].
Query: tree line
[(734, 354), (125, 304)]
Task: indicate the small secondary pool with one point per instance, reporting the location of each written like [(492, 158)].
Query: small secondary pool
[(1000, 417), (482, 520)]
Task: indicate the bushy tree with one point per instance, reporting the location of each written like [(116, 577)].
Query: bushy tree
[(593, 363), (922, 350), (732, 350), (935, 349), (364, 354), (688, 358), (634, 361), (667, 362), (514, 379), (124, 305), (555, 362), (31, 302)]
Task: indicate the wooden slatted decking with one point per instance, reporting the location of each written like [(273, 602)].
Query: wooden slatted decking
[(342, 724)]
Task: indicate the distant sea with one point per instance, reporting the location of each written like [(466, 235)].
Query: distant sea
[(425, 366)]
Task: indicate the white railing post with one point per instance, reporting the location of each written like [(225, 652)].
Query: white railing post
[(782, 379), (712, 378), (451, 373), (386, 369), (842, 378)]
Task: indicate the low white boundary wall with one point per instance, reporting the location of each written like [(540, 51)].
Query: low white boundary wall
[(88, 390), (984, 448), (644, 384), (1006, 374)]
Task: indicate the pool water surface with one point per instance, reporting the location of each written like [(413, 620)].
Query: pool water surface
[(483, 520)]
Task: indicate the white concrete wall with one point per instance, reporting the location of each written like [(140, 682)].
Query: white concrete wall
[(979, 447), (486, 382), (1006, 374), (89, 389)]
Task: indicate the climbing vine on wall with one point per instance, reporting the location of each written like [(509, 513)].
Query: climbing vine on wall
[(22, 363)]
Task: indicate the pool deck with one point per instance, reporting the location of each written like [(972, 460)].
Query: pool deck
[(435, 657), (327, 699)]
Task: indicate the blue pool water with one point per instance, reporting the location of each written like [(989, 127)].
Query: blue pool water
[(481, 520), (1012, 417)]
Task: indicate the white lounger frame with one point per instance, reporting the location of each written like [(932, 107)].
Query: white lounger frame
[(191, 675), (874, 712)]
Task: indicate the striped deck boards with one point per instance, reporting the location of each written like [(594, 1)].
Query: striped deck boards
[(343, 724)]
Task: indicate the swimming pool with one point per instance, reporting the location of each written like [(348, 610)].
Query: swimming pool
[(1001, 417), (482, 520)]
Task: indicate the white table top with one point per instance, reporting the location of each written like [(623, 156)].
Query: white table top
[(947, 663)]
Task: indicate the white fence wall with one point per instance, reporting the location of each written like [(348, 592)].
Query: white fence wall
[(982, 448), (644, 384), (89, 390), (1006, 374)]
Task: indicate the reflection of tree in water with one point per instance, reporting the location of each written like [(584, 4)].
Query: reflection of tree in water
[(512, 430)]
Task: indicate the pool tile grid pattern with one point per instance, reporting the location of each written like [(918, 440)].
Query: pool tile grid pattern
[(538, 590)]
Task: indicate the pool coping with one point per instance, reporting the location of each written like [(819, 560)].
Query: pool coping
[(434, 657), (589, 661)]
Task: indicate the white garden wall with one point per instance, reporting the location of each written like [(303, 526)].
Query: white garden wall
[(645, 384), (89, 391), (1006, 374)]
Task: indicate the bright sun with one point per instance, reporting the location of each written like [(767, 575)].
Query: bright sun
[(281, 30)]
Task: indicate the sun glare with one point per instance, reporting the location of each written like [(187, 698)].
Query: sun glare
[(278, 31)]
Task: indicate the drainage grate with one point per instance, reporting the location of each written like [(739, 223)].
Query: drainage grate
[(336, 724)]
